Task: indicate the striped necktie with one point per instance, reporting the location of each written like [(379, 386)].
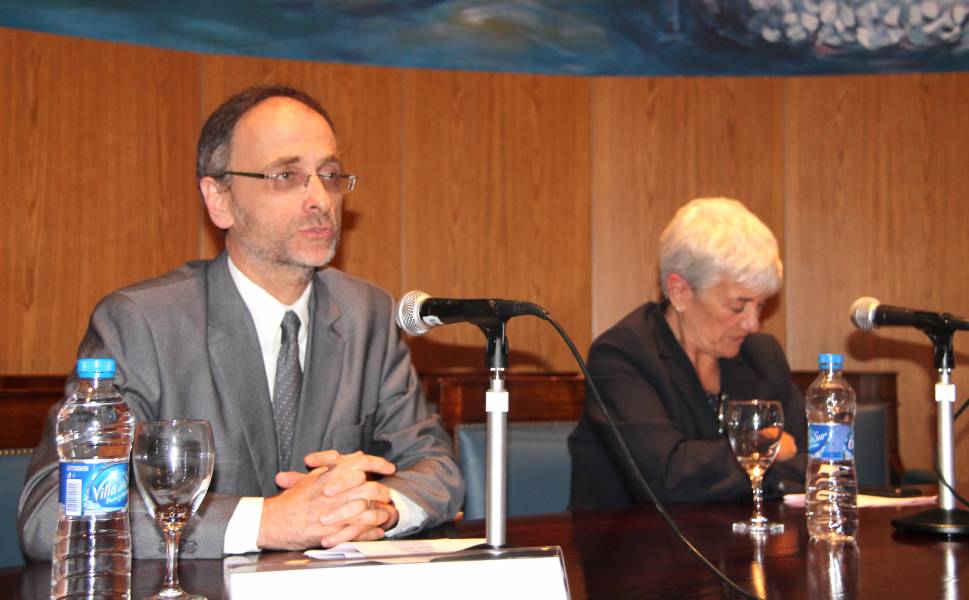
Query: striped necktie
[(286, 388)]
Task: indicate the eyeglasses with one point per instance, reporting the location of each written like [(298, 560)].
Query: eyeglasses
[(334, 182)]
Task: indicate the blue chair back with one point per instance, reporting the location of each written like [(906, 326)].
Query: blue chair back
[(13, 469), (871, 445), (539, 467)]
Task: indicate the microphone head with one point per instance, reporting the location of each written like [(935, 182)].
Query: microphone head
[(863, 313), (409, 313)]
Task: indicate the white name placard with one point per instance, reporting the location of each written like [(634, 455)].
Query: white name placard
[(525, 573)]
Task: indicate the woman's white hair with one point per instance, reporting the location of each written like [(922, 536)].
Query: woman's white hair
[(710, 239)]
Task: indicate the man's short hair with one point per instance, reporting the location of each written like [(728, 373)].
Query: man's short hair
[(215, 140)]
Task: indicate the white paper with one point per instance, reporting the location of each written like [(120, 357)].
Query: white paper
[(393, 548), (866, 501)]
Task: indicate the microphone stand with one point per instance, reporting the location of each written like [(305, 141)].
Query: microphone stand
[(947, 520), (496, 405)]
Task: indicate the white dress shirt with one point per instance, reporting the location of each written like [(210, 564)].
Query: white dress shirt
[(267, 313)]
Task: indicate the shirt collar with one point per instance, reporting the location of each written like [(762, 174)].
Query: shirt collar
[(267, 312)]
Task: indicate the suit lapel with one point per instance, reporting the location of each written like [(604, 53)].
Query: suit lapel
[(686, 382), (321, 375), (240, 375), (740, 380)]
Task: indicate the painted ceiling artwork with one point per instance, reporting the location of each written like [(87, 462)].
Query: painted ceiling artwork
[(585, 37)]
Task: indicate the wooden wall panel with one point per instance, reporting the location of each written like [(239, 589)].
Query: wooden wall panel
[(876, 206), (364, 103), (551, 189), (496, 204), (656, 144), (96, 196)]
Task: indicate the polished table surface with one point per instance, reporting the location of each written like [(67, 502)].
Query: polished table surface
[(632, 554)]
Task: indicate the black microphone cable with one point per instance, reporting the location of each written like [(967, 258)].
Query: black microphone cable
[(935, 460), (631, 463), (944, 481), (961, 409)]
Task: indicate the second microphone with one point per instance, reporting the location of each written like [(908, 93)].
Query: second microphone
[(417, 312)]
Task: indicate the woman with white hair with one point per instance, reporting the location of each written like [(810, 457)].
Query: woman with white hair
[(665, 368)]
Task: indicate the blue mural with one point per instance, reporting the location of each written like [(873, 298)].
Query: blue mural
[(588, 37)]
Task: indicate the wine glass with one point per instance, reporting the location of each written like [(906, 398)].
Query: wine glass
[(754, 428), (173, 463)]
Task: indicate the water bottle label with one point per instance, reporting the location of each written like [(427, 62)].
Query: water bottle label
[(93, 487), (831, 441)]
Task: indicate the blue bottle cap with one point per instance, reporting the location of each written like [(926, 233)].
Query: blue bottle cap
[(89, 368), (831, 361)]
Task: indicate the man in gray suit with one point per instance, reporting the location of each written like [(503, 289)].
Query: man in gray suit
[(297, 367)]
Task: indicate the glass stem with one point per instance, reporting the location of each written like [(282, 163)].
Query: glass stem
[(756, 484), (172, 538)]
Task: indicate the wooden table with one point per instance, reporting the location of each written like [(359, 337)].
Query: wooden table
[(632, 554)]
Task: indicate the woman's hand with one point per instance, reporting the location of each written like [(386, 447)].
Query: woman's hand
[(788, 447)]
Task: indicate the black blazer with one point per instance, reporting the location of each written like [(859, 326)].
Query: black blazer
[(655, 396)]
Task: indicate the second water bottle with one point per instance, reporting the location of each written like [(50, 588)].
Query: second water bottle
[(831, 501)]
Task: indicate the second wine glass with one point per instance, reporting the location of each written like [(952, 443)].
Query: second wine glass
[(754, 428), (173, 463)]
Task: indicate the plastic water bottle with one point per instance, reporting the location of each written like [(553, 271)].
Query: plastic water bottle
[(92, 550), (831, 501)]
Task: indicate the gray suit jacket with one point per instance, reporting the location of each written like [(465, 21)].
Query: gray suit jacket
[(186, 347)]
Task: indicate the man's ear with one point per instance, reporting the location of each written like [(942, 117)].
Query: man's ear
[(217, 199), (679, 291)]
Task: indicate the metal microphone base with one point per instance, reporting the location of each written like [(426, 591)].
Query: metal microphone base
[(935, 521), (494, 550)]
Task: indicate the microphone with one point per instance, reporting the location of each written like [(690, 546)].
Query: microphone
[(869, 313), (417, 313)]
